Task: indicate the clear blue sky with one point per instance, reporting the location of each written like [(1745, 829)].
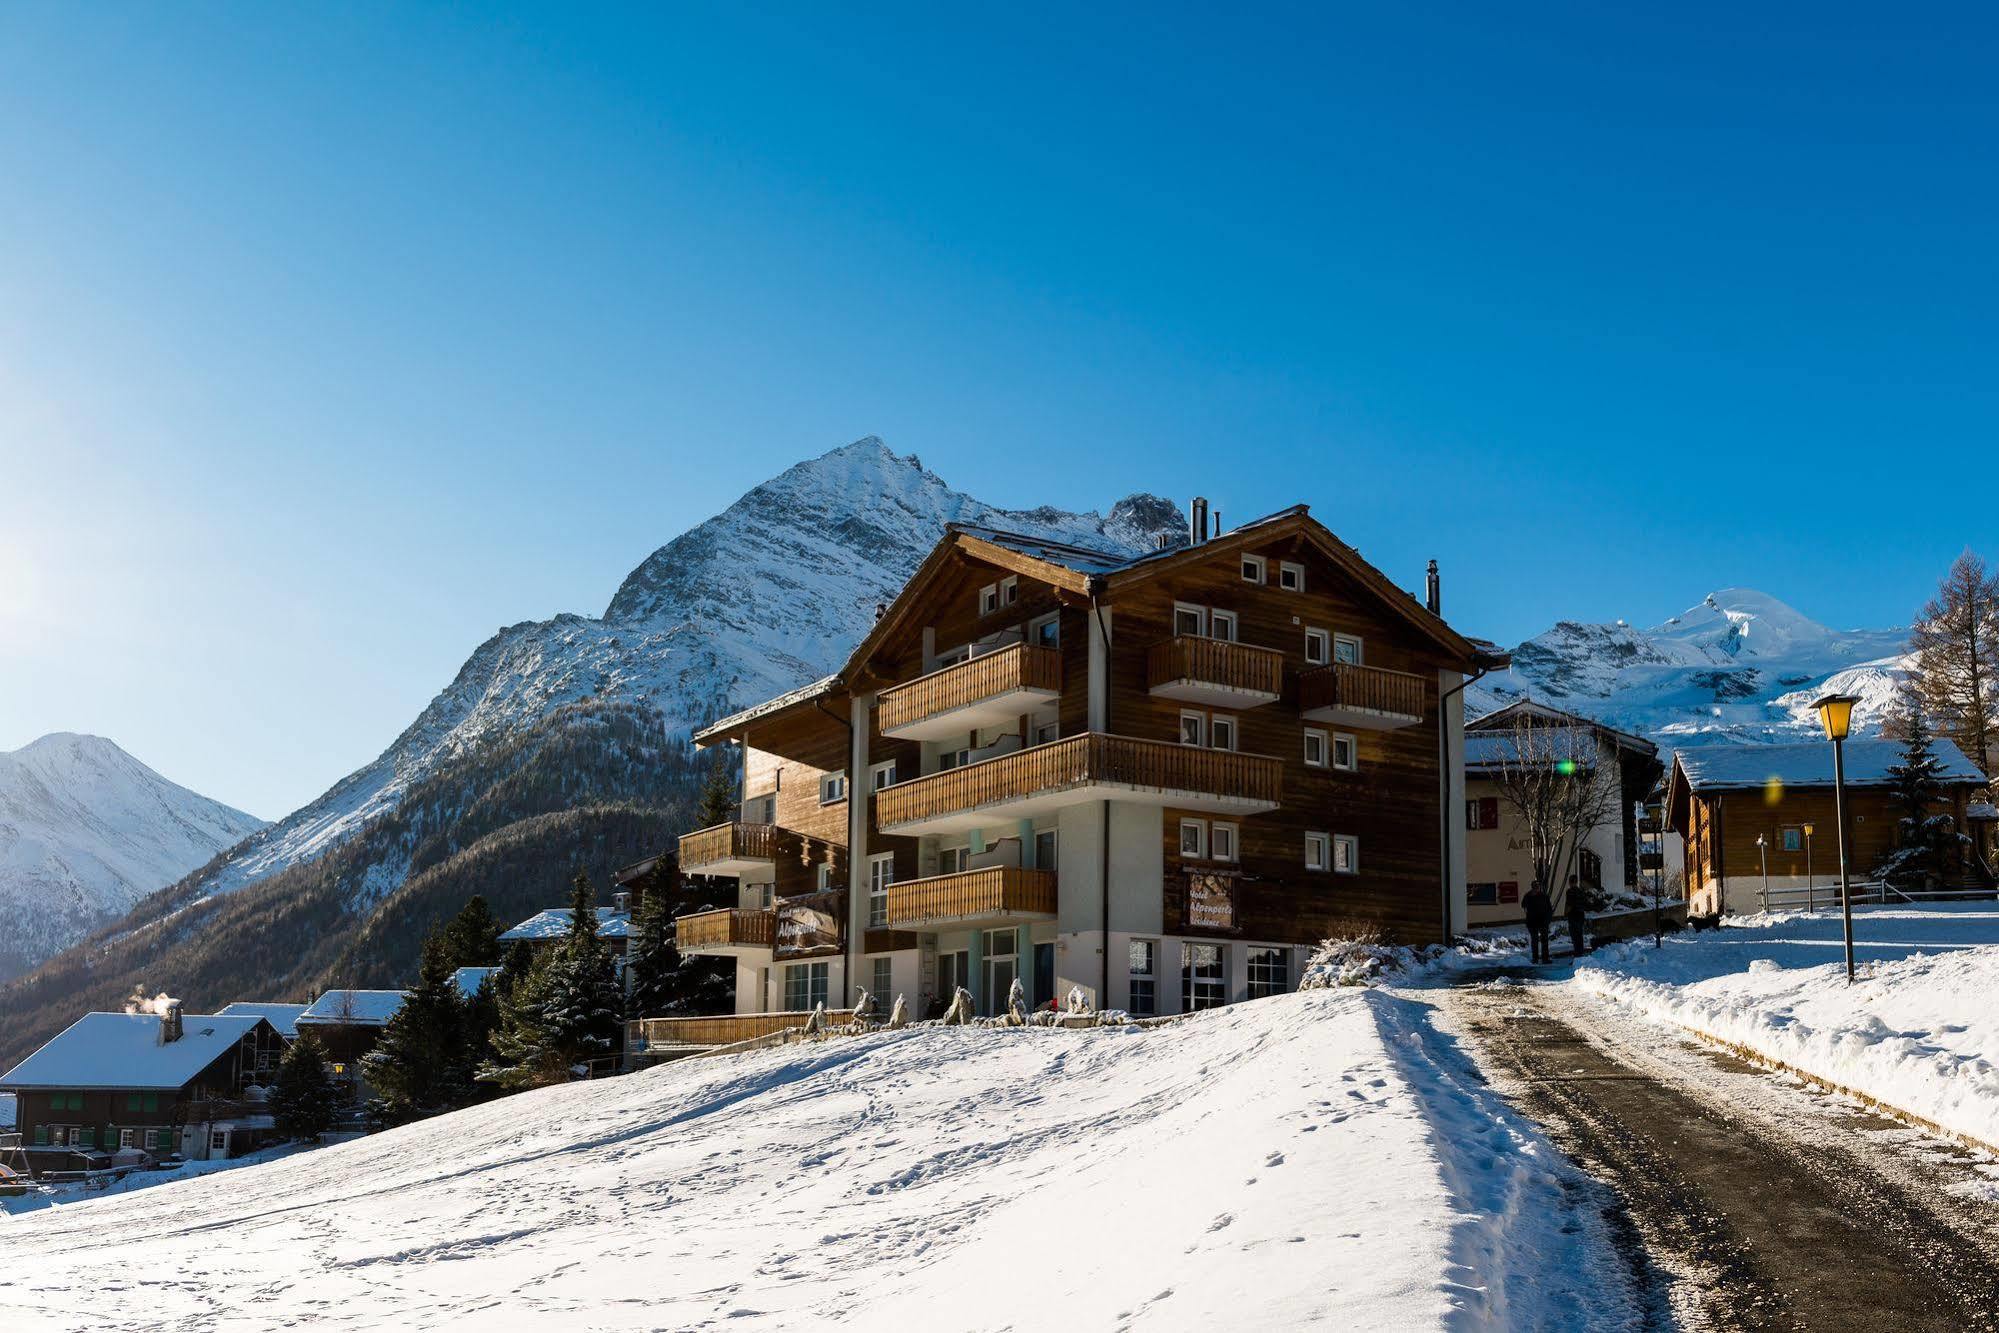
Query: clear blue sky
[(333, 338)]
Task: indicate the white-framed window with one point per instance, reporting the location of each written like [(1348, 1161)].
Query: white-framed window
[(1222, 845), (218, 1140), (1143, 966), (767, 891), (1221, 732), (1045, 732), (1291, 577), (1346, 854), (1317, 749), (1194, 839), (1346, 752), (884, 980), (1190, 621), (128, 1138), (1045, 630), (1222, 625), (1045, 845), (1269, 973), (1346, 648), (822, 876), (804, 986), (1254, 568), (1193, 728), (1318, 647), (832, 787), (989, 599), (881, 775), (1203, 977), (1318, 851), (1009, 590), (953, 758), (950, 860), (881, 874)]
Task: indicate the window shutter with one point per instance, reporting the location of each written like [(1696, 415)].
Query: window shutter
[(1488, 812)]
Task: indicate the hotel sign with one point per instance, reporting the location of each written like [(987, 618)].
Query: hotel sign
[(1211, 901), (810, 924)]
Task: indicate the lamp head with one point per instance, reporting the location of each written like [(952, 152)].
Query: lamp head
[(1836, 715), (1808, 829)]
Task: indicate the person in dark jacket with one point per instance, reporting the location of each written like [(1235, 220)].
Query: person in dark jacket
[(1578, 916), (1539, 910)]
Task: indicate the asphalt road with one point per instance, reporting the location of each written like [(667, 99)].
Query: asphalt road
[(1759, 1203)]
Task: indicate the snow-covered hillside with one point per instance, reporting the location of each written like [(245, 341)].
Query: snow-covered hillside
[(86, 831), (760, 599), (1316, 1159), (1739, 666)]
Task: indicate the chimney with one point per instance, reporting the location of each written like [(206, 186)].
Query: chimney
[(881, 609), (1433, 591), (621, 902), (1197, 521), (1218, 522), (170, 1022)]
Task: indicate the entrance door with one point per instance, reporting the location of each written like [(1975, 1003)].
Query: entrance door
[(1002, 966), (1044, 973), (953, 971)]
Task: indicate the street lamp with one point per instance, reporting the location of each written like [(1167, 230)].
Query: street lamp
[(1763, 852), (1836, 716), (1811, 880)]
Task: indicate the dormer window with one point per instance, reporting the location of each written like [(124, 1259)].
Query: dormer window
[(1009, 591), (989, 599), (1255, 569)]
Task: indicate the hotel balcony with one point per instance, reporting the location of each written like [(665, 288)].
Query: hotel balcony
[(1215, 673), (730, 931), (1361, 697), (978, 692), (995, 894), (730, 849), (1076, 769)]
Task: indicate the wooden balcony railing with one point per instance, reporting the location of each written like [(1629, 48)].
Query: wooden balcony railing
[(1369, 689), (1236, 666), (994, 891), (1023, 666), (727, 927), (721, 1029), (728, 842), (1082, 760)]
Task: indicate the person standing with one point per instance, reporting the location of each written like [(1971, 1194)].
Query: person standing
[(1540, 913), (1578, 916)]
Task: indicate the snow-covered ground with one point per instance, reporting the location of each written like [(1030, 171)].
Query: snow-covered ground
[(1919, 1032), (1321, 1157)]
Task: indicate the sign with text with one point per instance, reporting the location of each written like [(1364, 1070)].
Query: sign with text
[(1211, 901)]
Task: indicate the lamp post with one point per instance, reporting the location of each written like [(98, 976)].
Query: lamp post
[(1836, 715), (1763, 853), (1811, 882)]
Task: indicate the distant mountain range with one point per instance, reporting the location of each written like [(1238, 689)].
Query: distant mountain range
[(86, 831), (1738, 666), (562, 742)]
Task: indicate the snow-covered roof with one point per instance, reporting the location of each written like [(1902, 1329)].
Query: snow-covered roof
[(1495, 749), (469, 979), (1508, 718), (1726, 767), (122, 1051), (355, 1008), (284, 1017), (722, 726), (1088, 560), (554, 923)]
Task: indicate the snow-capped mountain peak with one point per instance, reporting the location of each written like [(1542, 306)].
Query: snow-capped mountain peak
[(86, 831)]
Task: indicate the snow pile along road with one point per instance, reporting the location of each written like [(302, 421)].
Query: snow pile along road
[(1315, 1157), (1919, 1032)]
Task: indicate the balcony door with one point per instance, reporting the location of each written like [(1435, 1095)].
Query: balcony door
[(1002, 965)]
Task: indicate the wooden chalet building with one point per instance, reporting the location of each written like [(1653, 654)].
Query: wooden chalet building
[(1721, 798), (1498, 862), (1160, 779), (348, 1024), (154, 1084)]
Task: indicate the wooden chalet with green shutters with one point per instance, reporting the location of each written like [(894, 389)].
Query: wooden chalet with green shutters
[(1159, 779)]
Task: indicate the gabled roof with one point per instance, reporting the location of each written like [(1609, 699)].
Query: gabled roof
[(352, 1008), (470, 979), (725, 728), (1809, 764), (284, 1017), (124, 1051), (1504, 719), (554, 924)]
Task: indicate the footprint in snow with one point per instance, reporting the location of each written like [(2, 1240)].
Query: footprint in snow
[(1275, 1159)]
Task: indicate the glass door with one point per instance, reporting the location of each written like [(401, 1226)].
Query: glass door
[(1002, 966)]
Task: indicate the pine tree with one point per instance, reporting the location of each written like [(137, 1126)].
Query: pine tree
[(423, 1065), (718, 797), (473, 937), (653, 963), (1917, 780), (1955, 672), (514, 969), (304, 1100), (567, 1013)]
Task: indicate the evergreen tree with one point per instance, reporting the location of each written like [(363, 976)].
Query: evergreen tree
[(1955, 671), (514, 968), (567, 1013), (473, 937), (1917, 780), (652, 965), (718, 797), (423, 1063), (304, 1100)]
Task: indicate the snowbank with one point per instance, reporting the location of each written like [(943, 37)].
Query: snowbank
[(1318, 1157), (1919, 1032)]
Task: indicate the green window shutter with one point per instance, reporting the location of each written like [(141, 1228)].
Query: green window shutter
[(90, 1136), (152, 1101), (131, 1101), (41, 1134), (76, 1101)]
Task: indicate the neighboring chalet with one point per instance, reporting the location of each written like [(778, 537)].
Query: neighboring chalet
[(1498, 862), (468, 980), (155, 1084), (1159, 779), (347, 1024), (1721, 798), (284, 1017), (614, 926)]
